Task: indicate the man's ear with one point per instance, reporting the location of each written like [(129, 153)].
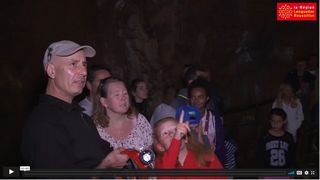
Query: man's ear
[(50, 69)]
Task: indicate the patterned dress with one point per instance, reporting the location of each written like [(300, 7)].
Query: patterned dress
[(139, 138)]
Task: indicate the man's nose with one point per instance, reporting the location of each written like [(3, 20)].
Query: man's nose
[(83, 70)]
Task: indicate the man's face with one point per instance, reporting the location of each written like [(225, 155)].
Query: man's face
[(68, 74), (98, 76)]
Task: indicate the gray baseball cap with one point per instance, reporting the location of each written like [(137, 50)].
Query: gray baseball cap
[(162, 111), (66, 48)]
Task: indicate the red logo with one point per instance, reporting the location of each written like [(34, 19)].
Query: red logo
[(296, 11)]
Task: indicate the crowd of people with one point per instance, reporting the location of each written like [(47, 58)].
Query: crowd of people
[(93, 133)]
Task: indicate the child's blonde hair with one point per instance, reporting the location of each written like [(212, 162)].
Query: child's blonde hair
[(200, 150), (281, 96)]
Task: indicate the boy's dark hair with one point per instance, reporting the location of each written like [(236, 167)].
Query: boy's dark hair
[(279, 112), (94, 68), (199, 83), (190, 74)]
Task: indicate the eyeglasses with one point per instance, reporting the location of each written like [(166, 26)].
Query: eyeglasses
[(169, 133)]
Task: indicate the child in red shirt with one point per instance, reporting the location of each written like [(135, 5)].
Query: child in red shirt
[(177, 149)]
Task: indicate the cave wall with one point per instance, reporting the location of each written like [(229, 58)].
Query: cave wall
[(240, 41)]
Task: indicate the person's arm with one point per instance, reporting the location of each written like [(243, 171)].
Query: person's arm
[(170, 157), (114, 160)]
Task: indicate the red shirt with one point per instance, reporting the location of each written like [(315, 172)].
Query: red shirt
[(170, 158)]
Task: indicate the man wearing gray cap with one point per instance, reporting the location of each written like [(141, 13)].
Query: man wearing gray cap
[(58, 135)]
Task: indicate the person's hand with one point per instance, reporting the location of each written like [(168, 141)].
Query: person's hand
[(182, 128), (200, 133), (114, 160), (158, 147)]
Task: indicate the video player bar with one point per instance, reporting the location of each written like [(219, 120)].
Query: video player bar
[(168, 172)]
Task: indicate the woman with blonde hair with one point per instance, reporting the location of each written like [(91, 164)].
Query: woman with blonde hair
[(116, 121), (288, 101)]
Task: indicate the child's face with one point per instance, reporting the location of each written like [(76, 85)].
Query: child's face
[(166, 132), (198, 97), (277, 122), (141, 91)]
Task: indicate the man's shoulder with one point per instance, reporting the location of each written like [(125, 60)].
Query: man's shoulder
[(46, 108), (47, 111), (41, 115)]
